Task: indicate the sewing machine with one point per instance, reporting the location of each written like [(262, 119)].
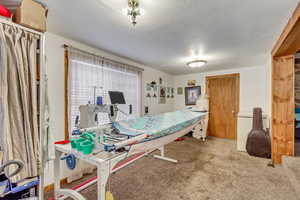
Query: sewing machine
[(89, 123)]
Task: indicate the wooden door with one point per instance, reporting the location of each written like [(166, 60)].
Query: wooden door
[(223, 94), (283, 107)]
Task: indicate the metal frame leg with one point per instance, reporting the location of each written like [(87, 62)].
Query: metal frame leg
[(205, 127), (103, 170), (57, 173), (200, 130), (162, 156)]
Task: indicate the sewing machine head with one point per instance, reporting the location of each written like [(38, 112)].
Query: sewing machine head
[(89, 112)]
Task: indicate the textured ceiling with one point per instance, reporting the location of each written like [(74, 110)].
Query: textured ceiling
[(226, 33)]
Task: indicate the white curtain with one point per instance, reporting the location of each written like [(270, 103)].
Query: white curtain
[(89, 73), (19, 130)]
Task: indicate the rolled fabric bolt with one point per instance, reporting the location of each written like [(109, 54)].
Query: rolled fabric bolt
[(131, 141)]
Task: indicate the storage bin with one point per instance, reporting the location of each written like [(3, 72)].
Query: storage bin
[(32, 15)]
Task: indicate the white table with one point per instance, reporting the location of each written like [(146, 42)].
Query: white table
[(104, 161)]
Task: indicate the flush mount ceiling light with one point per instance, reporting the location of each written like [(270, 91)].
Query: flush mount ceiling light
[(196, 63), (133, 11)]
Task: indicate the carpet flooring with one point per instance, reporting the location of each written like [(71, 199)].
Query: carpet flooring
[(211, 170)]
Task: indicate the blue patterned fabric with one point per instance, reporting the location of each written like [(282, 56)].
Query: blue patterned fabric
[(158, 125)]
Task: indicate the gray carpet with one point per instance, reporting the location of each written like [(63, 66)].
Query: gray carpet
[(212, 170), (292, 169)]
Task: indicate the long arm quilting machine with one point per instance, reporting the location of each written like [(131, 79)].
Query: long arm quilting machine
[(129, 141)]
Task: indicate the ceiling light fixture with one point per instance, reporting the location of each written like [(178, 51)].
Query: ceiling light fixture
[(197, 63), (134, 10)]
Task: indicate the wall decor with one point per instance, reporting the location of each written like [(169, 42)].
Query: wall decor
[(180, 91), (148, 87), (162, 95), (192, 94), (172, 92), (153, 83), (191, 82), (160, 81), (146, 109)]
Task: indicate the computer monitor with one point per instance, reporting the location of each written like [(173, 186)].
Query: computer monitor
[(116, 97)]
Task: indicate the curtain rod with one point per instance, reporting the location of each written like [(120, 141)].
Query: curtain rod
[(104, 58), (3, 21)]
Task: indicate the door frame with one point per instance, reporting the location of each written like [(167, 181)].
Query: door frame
[(285, 48), (237, 98)]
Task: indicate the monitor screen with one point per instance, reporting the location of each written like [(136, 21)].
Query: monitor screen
[(116, 97)]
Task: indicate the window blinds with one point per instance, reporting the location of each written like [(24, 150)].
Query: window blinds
[(91, 75)]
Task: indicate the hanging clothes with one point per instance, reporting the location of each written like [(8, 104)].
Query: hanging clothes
[(20, 132)]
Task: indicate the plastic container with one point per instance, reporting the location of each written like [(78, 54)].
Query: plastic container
[(4, 12), (87, 147), (73, 143), (88, 135), (78, 142)]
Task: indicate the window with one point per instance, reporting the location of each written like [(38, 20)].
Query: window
[(91, 76)]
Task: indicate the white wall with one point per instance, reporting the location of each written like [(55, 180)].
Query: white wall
[(55, 70), (254, 82)]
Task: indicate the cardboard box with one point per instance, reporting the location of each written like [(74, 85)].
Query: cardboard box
[(32, 15)]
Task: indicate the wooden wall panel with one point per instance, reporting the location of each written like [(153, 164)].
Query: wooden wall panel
[(67, 136), (291, 43), (289, 40), (283, 107)]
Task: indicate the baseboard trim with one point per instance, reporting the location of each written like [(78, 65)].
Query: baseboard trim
[(50, 187)]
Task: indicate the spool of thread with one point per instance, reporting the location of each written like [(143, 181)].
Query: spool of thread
[(99, 100)]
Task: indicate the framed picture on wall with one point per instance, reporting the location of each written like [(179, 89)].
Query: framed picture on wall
[(162, 95), (180, 91), (192, 94)]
